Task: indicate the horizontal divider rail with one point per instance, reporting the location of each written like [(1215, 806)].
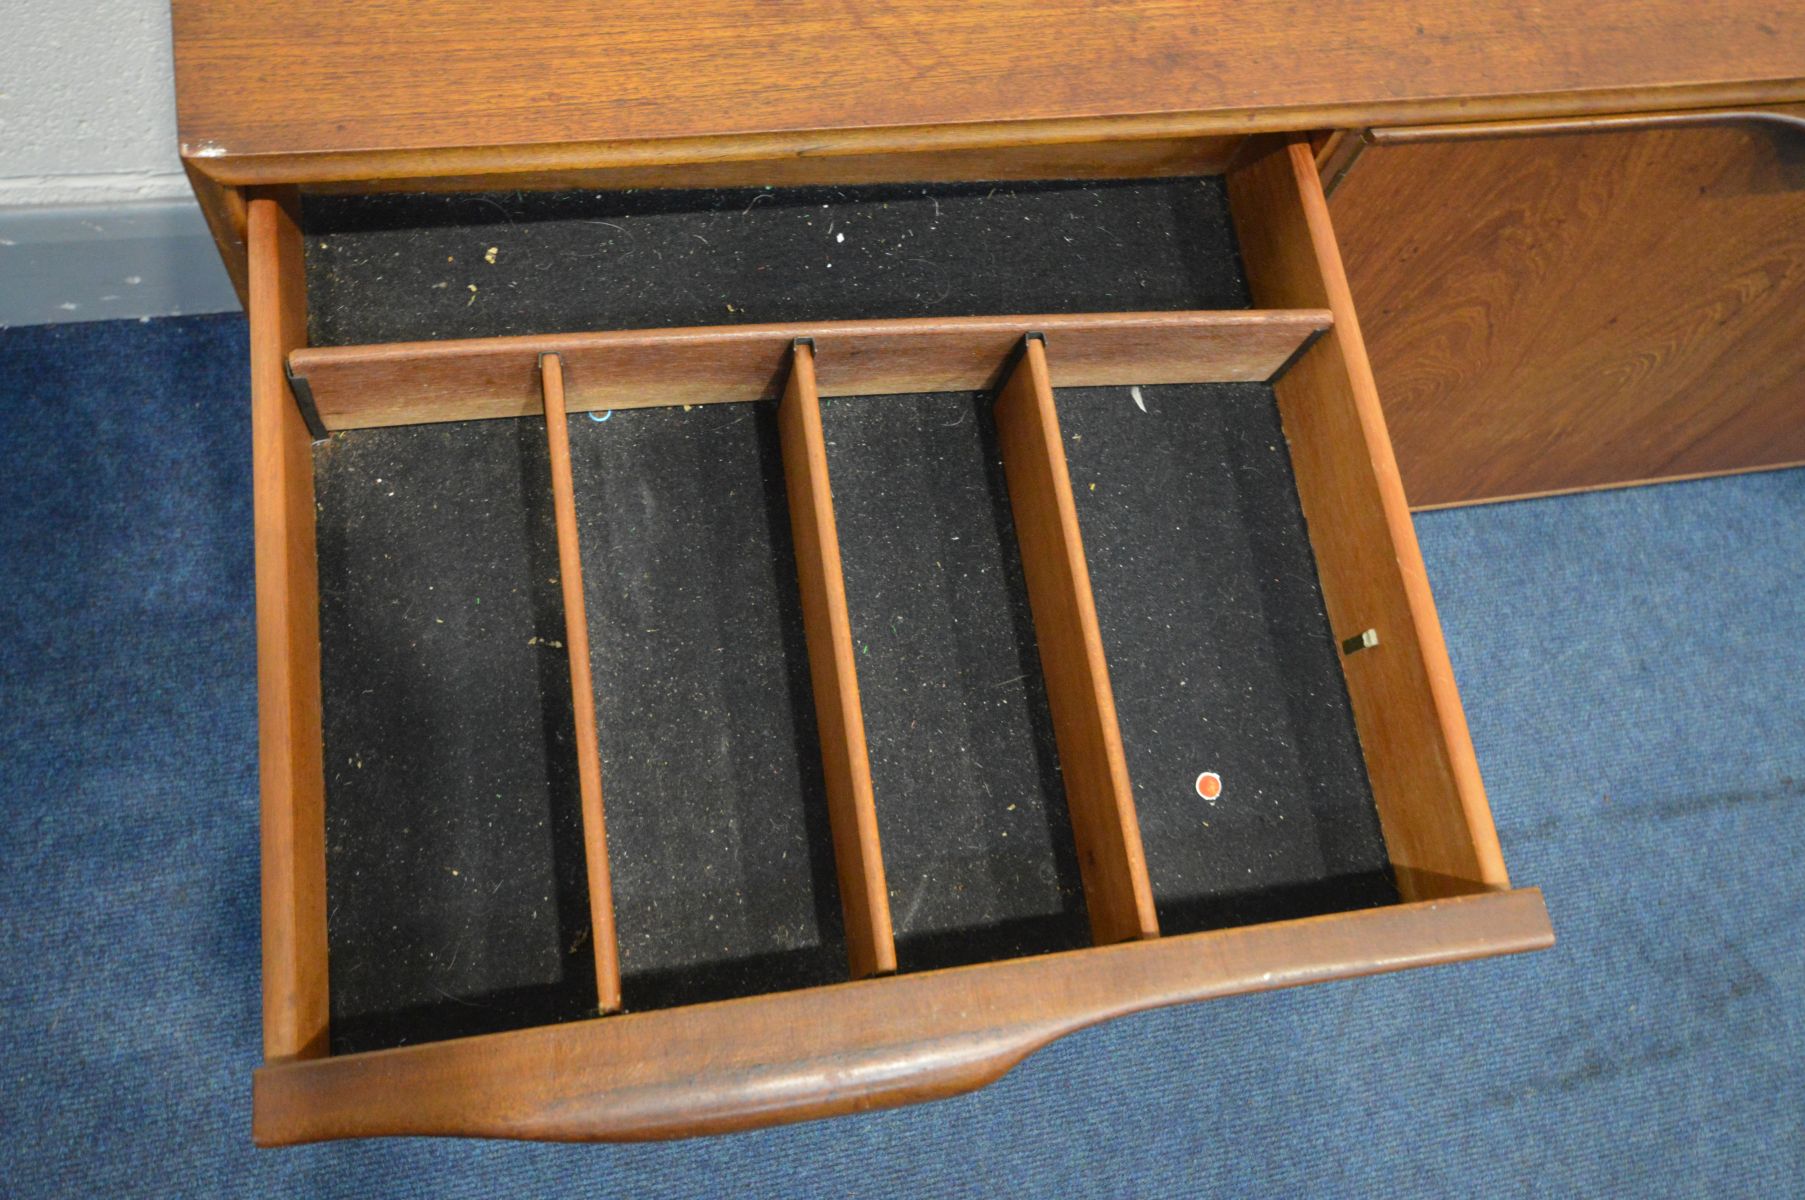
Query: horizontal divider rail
[(407, 383), (582, 692)]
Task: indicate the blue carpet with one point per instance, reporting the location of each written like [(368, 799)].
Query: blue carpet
[(1633, 665)]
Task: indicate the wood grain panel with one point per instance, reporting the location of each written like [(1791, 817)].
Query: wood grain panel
[(850, 1047), (1092, 767), (412, 382), (833, 671), (291, 776), (1419, 754), (582, 692), (316, 76), (1555, 313)]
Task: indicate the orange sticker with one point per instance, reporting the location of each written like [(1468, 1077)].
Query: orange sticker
[(1209, 785)]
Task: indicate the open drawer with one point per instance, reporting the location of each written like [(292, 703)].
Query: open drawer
[(677, 730)]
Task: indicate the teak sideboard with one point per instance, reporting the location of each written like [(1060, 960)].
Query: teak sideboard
[(806, 551)]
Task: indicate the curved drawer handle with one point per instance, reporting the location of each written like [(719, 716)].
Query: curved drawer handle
[(740, 1064)]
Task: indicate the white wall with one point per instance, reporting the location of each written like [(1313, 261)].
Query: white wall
[(96, 218), (87, 103)]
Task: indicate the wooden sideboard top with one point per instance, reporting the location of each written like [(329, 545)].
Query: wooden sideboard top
[(320, 90)]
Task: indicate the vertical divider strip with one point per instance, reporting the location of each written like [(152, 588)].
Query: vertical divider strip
[(582, 690), (1098, 795), (852, 810)]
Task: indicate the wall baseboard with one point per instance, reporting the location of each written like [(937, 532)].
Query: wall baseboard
[(99, 262)]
